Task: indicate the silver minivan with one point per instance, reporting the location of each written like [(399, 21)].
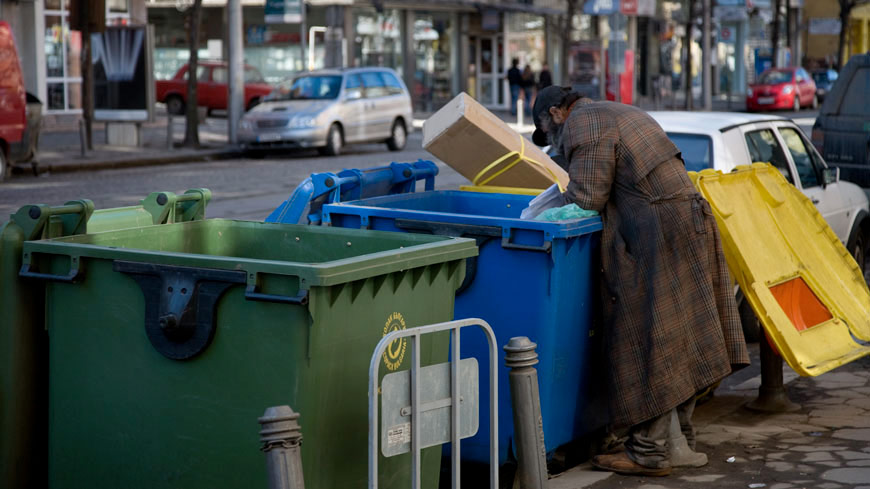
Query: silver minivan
[(326, 109)]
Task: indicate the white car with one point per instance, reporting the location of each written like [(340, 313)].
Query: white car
[(723, 140)]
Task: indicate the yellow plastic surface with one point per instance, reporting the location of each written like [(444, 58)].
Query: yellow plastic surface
[(501, 190), (772, 234)]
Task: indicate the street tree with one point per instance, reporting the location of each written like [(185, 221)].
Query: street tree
[(846, 7), (191, 133)]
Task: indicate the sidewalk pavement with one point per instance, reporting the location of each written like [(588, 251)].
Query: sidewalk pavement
[(826, 444), (60, 149)]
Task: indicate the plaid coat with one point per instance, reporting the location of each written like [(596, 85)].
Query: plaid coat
[(671, 322)]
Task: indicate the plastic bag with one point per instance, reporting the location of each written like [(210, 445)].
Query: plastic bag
[(548, 199), (570, 211)]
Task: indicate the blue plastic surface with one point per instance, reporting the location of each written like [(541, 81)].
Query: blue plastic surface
[(304, 205), (532, 278)]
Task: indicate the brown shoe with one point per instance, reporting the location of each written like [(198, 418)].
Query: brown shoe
[(621, 464)]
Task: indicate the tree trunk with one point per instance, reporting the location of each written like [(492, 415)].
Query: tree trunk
[(191, 135), (775, 37), (845, 13), (567, 29), (687, 71)]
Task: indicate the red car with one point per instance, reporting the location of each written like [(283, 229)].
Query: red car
[(211, 87), (782, 88)]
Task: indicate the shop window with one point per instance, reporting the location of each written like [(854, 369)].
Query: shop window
[(378, 38), (432, 74)]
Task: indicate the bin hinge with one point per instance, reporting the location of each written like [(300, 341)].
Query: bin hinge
[(168, 208), (43, 221), (180, 304)]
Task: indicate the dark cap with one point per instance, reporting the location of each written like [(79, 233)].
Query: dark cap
[(552, 96)]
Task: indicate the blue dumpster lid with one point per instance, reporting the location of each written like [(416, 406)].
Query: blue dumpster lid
[(461, 208)]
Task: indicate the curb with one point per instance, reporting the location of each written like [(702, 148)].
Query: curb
[(117, 163)]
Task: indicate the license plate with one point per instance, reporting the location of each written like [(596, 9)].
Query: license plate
[(268, 137), (765, 100)]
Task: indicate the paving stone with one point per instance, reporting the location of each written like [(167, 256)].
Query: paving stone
[(828, 485), (861, 487), (805, 469), (780, 466), (831, 464), (858, 463), (836, 411), (716, 438), (862, 390), (808, 428), (818, 457), (817, 448), (853, 434), (850, 393), (702, 478), (652, 486), (581, 476), (848, 475), (832, 379), (851, 421), (863, 403), (777, 455), (781, 485), (850, 455)]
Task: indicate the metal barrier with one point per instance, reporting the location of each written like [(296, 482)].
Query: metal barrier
[(417, 407)]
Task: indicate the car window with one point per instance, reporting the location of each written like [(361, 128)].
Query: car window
[(764, 148), (200, 73), (391, 83), (219, 75), (353, 86), (799, 76), (801, 155), (696, 149), (373, 84), (856, 101), (774, 77), (308, 87), (253, 76)]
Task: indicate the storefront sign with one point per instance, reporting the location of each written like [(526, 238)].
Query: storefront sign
[(825, 27), (730, 14), (600, 7), (628, 7), (283, 11), (726, 34), (491, 20), (646, 8), (731, 3)]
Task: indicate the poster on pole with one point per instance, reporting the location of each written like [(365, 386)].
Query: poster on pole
[(283, 12), (123, 84)]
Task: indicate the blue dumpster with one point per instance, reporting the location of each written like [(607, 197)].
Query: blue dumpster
[(531, 278)]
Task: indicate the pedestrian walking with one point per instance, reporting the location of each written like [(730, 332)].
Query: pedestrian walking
[(671, 322), (545, 78), (528, 83), (515, 81)]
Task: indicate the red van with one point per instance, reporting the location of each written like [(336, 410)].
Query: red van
[(18, 129)]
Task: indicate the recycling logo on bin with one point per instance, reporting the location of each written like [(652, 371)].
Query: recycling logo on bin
[(395, 350)]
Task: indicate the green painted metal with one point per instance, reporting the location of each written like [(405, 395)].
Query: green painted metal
[(123, 415), (23, 339)]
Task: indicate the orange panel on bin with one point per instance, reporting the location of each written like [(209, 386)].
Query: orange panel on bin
[(800, 304)]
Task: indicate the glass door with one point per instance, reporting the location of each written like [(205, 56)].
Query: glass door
[(489, 74)]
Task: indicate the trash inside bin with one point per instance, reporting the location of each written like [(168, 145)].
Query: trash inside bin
[(167, 342), (532, 278)]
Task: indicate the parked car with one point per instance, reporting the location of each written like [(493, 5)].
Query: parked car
[(824, 82), (782, 88), (724, 140), (211, 87), (842, 130), (20, 112), (327, 109)]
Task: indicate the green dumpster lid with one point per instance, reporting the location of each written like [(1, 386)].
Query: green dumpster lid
[(319, 256)]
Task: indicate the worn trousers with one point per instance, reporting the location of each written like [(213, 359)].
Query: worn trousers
[(647, 441)]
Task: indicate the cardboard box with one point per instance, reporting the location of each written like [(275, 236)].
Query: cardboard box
[(468, 137)]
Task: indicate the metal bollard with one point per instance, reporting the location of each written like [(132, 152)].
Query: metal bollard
[(520, 109), (169, 133), (526, 402), (83, 138), (772, 395), (281, 437)]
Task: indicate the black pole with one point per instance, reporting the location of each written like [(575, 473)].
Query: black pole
[(772, 395)]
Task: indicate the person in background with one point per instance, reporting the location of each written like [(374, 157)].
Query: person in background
[(515, 80), (671, 326), (528, 88), (545, 79)]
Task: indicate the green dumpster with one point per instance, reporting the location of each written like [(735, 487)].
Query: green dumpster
[(166, 343), (23, 341)]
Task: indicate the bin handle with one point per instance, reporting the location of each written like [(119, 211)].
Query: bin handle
[(299, 299), (71, 276), (507, 243)]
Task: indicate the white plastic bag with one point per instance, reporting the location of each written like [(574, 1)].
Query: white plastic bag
[(548, 199)]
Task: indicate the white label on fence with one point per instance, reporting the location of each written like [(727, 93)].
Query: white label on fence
[(399, 434)]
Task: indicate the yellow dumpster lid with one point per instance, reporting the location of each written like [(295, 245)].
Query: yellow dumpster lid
[(805, 287)]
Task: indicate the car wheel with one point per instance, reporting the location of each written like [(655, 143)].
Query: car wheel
[(334, 141), (748, 321), (175, 105), (815, 102), (399, 136), (797, 103), (858, 248), (4, 167)]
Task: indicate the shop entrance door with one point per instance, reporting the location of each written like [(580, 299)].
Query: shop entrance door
[(487, 53)]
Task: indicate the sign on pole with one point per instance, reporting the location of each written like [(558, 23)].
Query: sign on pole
[(283, 12)]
